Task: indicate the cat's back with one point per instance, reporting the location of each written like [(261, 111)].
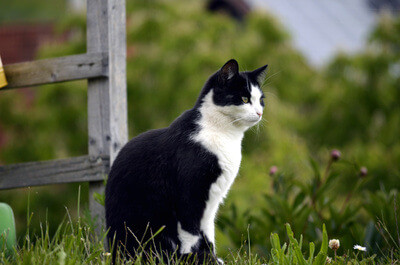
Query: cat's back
[(139, 161), (155, 150), (143, 176)]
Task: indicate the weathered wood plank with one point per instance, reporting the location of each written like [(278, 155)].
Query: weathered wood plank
[(54, 70), (77, 169), (107, 106)]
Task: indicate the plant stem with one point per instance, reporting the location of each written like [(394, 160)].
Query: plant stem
[(328, 167)]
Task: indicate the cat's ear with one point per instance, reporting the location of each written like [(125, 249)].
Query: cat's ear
[(260, 73), (229, 70)]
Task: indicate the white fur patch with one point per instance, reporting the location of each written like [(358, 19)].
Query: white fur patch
[(222, 137), (187, 240), (221, 132), (255, 99)]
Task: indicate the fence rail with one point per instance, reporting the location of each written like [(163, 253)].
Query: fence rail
[(76, 169), (54, 70)]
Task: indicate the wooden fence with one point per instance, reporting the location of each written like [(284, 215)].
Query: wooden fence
[(104, 66)]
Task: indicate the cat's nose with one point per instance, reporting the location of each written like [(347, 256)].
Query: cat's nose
[(259, 114)]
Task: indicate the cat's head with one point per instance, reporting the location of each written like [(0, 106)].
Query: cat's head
[(235, 96)]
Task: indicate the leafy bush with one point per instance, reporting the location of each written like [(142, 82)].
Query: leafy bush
[(359, 110), (305, 205), (382, 232)]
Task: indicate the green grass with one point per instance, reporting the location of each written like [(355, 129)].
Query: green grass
[(75, 243)]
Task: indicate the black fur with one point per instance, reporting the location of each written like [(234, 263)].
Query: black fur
[(162, 177)]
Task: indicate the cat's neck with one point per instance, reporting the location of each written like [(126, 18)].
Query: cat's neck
[(213, 120)]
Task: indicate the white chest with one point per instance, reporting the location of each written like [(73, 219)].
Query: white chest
[(219, 135), (227, 148)]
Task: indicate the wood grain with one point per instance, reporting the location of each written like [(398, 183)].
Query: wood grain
[(107, 105), (54, 70), (76, 169)]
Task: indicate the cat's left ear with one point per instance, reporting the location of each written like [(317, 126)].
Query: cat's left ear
[(260, 73), (229, 70)]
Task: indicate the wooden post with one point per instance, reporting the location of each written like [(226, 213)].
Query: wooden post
[(107, 106)]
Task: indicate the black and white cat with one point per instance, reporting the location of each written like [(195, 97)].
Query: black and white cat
[(178, 176)]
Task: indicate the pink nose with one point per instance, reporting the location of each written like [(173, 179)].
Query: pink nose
[(259, 114)]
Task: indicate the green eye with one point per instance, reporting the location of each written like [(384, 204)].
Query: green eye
[(245, 99)]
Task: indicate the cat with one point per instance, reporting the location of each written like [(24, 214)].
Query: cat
[(175, 178)]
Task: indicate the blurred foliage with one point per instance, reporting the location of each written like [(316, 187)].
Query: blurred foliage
[(28, 11), (352, 104), (306, 205), (359, 109), (383, 231)]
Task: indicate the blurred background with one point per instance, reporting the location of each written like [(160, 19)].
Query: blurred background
[(333, 84)]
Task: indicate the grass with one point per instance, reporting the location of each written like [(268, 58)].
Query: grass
[(75, 243), (72, 244)]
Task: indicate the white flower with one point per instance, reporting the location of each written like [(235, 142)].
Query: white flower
[(358, 247), (328, 260), (334, 244)]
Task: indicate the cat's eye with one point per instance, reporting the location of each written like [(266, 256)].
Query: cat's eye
[(262, 100), (245, 99)]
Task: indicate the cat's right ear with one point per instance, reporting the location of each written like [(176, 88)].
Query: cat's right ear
[(229, 70)]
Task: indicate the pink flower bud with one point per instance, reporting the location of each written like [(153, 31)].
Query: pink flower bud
[(273, 170), (363, 171), (335, 155)]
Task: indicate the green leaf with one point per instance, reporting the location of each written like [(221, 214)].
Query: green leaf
[(275, 241), (289, 230), (296, 247), (320, 259), (100, 198), (311, 257), (315, 168), (324, 245), (299, 199)]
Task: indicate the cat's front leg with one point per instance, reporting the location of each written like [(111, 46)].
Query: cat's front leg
[(195, 244), (209, 235), (188, 238), (206, 251), (208, 229)]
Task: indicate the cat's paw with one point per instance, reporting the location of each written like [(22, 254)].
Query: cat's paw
[(220, 261)]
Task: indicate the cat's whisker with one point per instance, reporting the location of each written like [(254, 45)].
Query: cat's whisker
[(266, 84), (271, 94), (258, 129), (243, 68), (269, 77), (261, 124), (236, 120)]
